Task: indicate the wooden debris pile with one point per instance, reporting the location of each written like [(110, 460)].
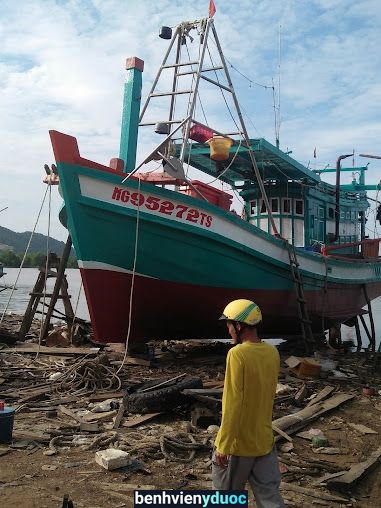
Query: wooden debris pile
[(71, 403)]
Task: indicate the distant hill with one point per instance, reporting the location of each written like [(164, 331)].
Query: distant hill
[(10, 240)]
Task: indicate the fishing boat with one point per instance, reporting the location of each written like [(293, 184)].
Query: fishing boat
[(161, 253)]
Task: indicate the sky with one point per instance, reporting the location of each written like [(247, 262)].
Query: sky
[(62, 67)]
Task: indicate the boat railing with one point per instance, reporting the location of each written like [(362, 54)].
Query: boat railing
[(369, 247)]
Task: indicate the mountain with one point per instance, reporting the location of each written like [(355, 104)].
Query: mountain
[(17, 242)]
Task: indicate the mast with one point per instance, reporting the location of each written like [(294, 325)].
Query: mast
[(206, 31)]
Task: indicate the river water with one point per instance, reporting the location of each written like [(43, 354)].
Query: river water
[(28, 277), (26, 281)]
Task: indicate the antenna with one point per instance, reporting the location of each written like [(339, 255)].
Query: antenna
[(279, 66), (277, 108)]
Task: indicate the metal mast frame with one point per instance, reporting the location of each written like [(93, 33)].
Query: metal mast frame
[(206, 26)]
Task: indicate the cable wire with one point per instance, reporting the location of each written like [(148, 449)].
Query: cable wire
[(23, 259), (46, 270), (132, 280)]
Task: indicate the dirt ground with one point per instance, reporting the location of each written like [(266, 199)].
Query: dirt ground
[(29, 478)]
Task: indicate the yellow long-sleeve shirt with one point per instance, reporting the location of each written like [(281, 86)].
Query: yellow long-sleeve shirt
[(251, 377)]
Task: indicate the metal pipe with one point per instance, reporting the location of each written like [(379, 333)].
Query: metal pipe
[(337, 206)]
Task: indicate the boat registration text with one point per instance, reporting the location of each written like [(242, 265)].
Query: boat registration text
[(162, 206)]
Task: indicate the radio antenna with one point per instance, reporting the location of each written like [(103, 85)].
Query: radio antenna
[(277, 110)]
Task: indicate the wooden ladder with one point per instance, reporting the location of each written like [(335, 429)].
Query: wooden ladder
[(55, 268), (304, 318)]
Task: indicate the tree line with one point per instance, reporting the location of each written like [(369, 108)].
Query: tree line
[(11, 259)]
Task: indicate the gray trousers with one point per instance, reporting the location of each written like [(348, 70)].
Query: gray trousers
[(261, 472)]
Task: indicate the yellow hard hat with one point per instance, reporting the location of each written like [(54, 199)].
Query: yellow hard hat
[(244, 311)]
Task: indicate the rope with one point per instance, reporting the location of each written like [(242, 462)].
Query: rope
[(75, 312), (46, 271), (23, 259), (222, 92), (132, 281), (172, 447), (87, 376)]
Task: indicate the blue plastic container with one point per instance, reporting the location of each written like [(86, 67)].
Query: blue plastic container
[(7, 416)]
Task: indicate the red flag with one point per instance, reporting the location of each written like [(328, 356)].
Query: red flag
[(212, 9)]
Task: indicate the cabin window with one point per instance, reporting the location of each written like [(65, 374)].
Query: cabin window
[(331, 213), (274, 205), (299, 232), (348, 215), (286, 206), (253, 207), (287, 229), (299, 207), (263, 207), (342, 215)]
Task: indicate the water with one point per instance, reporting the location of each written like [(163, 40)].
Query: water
[(28, 278)]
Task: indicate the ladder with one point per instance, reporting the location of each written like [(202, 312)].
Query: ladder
[(304, 318), (56, 269), (198, 70)]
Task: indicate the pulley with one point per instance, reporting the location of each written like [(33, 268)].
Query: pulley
[(165, 32)]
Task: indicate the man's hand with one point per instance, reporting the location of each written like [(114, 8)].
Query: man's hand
[(221, 459)]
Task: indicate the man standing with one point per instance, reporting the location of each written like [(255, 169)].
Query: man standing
[(244, 446)]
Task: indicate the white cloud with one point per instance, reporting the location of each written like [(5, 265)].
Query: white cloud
[(62, 67)]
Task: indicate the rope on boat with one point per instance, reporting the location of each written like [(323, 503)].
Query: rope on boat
[(132, 279), (23, 259)]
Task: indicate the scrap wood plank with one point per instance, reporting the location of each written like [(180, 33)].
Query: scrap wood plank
[(34, 395), (52, 350), (296, 421), (119, 416), (57, 402), (282, 433), (323, 394), (104, 396), (326, 477), (312, 493), (362, 428), (134, 420), (214, 384), (32, 436), (107, 415), (66, 411), (355, 472)]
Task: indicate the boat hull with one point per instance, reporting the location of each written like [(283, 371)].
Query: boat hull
[(167, 310)]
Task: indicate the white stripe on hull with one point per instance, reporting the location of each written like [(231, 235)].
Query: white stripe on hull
[(96, 265)]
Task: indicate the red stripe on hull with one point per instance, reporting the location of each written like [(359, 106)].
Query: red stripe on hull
[(167, 310)]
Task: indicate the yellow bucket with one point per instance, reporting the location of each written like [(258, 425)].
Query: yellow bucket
[(219, 148)]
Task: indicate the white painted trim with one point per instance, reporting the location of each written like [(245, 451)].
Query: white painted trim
[(95, 265)]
